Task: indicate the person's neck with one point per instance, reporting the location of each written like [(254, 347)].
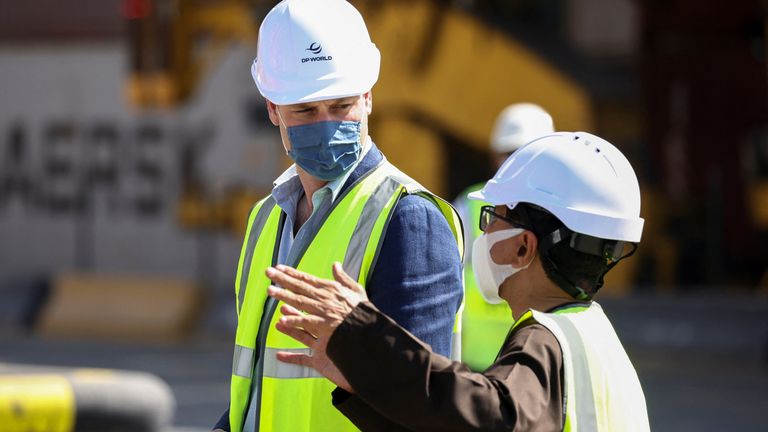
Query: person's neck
[(310, 185), (535, 292), (304, 206)]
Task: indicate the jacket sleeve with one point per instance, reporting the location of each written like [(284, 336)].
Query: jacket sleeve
[(417, 278), (362, 415), (403, 383)]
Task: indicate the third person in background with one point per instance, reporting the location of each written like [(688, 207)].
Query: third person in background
[(485, 325)]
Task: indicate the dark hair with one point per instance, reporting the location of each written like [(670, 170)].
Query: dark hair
[(562, 264), (582, 270)]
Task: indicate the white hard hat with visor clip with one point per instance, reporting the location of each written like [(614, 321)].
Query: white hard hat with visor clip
[(584, 183)]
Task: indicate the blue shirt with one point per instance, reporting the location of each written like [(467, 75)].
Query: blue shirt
[(416, 278)]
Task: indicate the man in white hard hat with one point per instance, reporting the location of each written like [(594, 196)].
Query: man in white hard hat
[(340, 201), (565, 209), (485, 325)]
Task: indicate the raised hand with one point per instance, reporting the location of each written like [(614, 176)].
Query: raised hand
[(326, 304)]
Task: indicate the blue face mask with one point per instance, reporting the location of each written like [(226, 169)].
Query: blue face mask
[(325, 150)]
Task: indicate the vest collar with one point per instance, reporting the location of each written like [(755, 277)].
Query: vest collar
[(370, 161)]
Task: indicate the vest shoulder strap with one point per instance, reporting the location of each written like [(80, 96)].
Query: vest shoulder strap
[(580, 412), (256, 221), (412, 187)]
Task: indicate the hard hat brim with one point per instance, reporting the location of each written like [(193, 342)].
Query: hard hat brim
[(477, 195)]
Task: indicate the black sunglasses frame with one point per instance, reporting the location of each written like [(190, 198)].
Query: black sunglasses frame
[(489, 209)]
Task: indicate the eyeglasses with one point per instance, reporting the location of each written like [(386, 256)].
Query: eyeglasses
[(488, 216)]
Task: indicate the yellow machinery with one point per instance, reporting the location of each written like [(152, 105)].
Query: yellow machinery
[(444, 65), (443, 71), (173, 42), (50, 399)]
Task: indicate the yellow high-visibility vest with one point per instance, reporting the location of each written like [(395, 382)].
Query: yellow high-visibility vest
[(290, 397), (602, 391), (484, 325)]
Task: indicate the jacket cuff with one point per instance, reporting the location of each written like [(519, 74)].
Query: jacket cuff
[(339, 396)]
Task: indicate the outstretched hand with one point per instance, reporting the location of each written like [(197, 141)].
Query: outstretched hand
[(313, 309)]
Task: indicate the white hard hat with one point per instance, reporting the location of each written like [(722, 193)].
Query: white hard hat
[(312, 50), (582, 179), (519, 124)]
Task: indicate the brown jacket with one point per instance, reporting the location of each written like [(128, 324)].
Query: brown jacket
[(401, 385)]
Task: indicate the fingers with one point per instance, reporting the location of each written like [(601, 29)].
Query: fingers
[(310, 323), (304, 277), (299, 334), (287, 281), (342, 277), (298, 301), (294, 358), (289, 310), (296, 318)]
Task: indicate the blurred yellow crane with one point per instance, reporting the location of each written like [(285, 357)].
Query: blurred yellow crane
[(444, 72)]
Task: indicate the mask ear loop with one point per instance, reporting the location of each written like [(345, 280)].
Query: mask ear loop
[(280, 117), (530, 262), (532, 258)]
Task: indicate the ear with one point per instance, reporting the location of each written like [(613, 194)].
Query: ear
[(272, 110), (368, 97), (525, 249)]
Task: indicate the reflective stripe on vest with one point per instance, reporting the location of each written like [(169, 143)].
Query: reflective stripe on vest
[(602, 391), (274, 368), (351, 233), (242, 364), (253, 233)]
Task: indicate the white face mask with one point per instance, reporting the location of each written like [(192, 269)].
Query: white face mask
[(488, 274)]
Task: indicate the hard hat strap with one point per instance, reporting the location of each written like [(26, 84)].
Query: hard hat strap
[(546, 242), (280, 117), (563, 282), (610, 250), (612, 264)]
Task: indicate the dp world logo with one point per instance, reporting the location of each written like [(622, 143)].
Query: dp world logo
[(315, 48)]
